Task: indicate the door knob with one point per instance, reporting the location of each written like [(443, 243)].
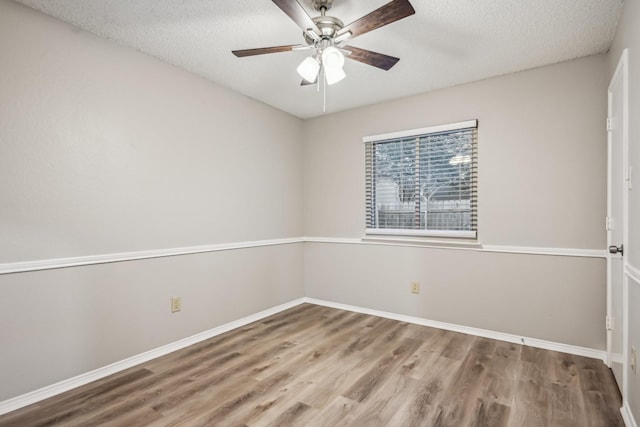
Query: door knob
[(616, 249)]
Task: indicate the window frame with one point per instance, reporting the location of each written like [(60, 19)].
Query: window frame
[(369, 141)]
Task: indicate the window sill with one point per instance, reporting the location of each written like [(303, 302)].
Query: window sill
[(424, 241), (422, 234)]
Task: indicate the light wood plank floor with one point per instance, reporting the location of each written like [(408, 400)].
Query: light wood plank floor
[(318, 366)]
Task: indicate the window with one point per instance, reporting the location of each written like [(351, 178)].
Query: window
[(423, 182)]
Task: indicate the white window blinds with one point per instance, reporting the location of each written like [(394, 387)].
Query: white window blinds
[(423, 182)]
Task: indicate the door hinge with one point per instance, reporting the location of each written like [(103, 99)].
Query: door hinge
[(609, 125), (608, 223), (608, 323)]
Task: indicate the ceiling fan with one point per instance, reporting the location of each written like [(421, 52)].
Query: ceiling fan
[(327, 36)]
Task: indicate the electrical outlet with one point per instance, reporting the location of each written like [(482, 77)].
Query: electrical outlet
[(634, 359), (415, 287), (176, 304)]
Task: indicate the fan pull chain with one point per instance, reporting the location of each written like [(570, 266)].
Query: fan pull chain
[(324, 96)]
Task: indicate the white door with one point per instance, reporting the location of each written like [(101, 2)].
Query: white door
[(616, 215)]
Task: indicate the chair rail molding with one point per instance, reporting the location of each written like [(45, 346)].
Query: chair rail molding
[(50, 264), (462, 246)]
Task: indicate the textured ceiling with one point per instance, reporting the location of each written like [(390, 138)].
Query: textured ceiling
[(444, 44)]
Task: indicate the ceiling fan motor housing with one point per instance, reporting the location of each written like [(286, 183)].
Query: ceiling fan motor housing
[(328, 26)]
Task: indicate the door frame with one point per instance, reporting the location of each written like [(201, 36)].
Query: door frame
[(621, 72)]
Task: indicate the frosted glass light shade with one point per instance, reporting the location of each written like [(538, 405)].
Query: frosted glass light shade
[(309, 69), (332, 61), (332, 58), (334, 75)]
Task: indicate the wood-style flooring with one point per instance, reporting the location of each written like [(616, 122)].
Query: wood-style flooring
[(318, 366)]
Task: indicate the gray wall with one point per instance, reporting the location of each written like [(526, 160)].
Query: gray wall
[(66, 322), (559, 299), (542, 155), (628, 36), (104, 150), (542, 184)]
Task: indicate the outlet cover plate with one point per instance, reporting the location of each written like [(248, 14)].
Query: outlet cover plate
[(176, 304), (415, 287)]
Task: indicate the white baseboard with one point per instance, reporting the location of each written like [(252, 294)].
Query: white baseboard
[(617, 358), (501, 336), (627, 415), (82, 379)]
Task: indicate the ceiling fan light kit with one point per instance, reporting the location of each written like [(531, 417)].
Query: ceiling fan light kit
[(330, 60), (328, 35), (333, 61), (333, 76), (309, 69)]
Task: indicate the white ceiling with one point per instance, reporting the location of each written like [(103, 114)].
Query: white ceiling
[(444, 44)]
